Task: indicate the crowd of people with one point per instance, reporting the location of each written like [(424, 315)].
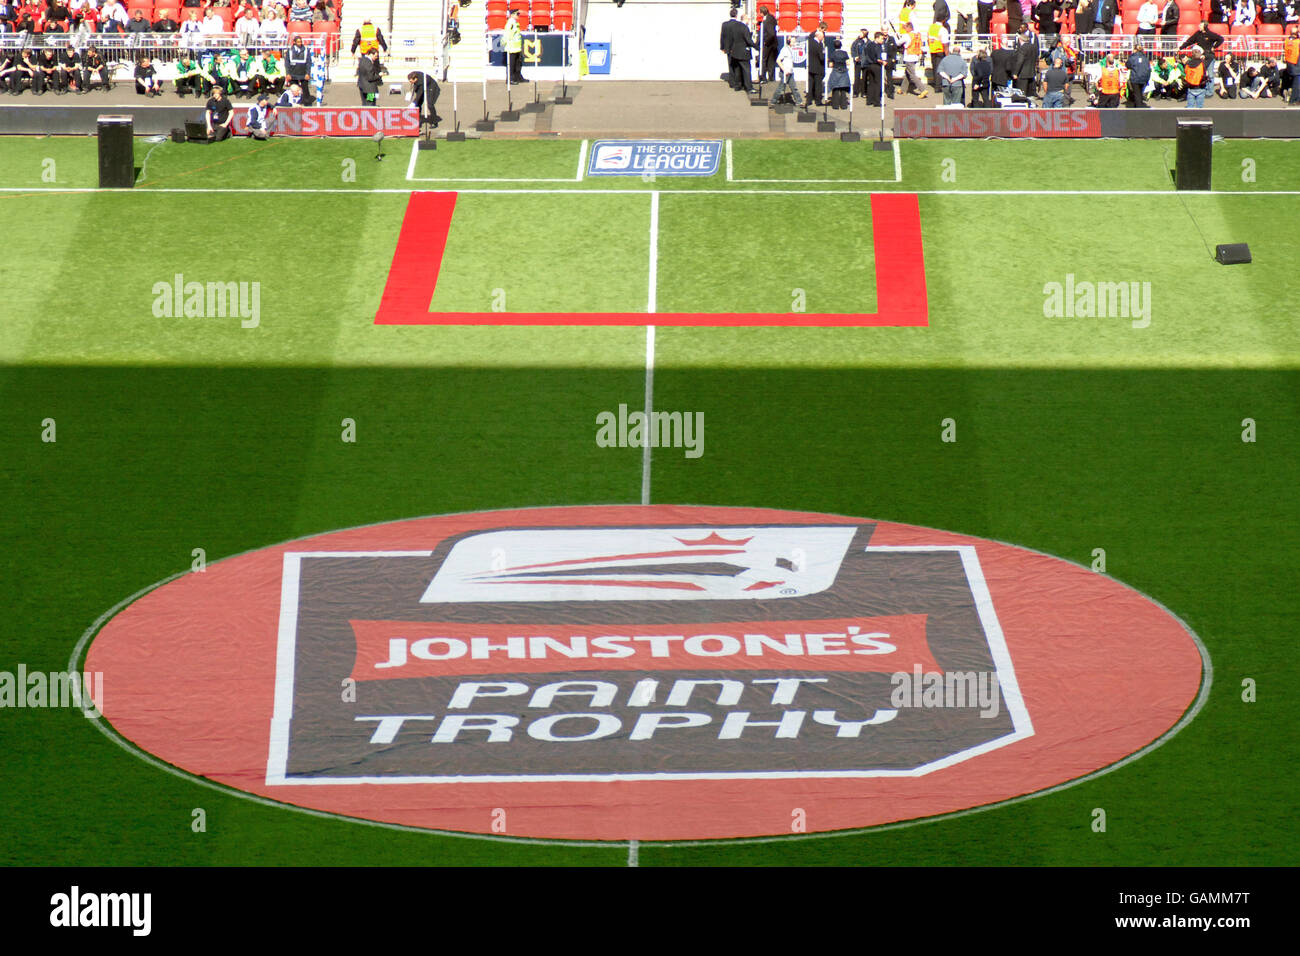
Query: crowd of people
[(267, 58), (1037, 59)]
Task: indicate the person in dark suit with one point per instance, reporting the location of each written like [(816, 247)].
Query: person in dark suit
[(981, 73), (1003, 64), (816, 68), (736, 41), (768, 31), (1107, 10), (369, 75), (1027, 54)]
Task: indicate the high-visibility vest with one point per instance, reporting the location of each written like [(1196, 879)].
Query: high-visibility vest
[(1291, 50), (914, 44), (1109, 82), (369, 37), (1194, 72), (936, 44)]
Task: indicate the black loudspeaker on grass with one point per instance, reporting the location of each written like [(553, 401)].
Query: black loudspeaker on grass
[(1232, 253), (116, 152)]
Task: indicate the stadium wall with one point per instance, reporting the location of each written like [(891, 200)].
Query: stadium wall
[(1089, 123)]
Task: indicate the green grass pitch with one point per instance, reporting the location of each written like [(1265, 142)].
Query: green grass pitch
[(1075, 433)]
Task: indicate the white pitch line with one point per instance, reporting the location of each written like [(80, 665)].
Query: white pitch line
[(898, 164), (728, 148), (654, 250), (30, 190), (633, 852), (582, 162), (415, 152), (650, 342)]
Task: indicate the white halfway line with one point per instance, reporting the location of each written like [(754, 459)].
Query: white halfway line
[(633, 854), (650, 342)]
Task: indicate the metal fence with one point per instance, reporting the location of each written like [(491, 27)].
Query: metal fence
[(1092, 48), (165, 47)]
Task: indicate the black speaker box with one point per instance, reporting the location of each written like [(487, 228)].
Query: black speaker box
[(178, 134), (116, 152), (1232, 253), (1193, 147)]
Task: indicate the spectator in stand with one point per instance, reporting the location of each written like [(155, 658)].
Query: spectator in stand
[(92, 66), (1046, 14), (1208, 41), (965, 16), (952, 76), (1085, 12), (138, 23), (165, 23), (1243, 15), (784, 76), (1139, 76), (274, 31), (1220, 11), (1168, 21), (1105, 21), (1228, 83), (300, 12), (984, 16), (146, 78), (113, 10), (217, 113), (323, 10), (191, 31), (190, 77), (1148, 17), (1270, 11), (1291, 11), (212, 24), (246, 27)]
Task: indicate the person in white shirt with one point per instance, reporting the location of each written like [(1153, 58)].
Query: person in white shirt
[(212, 25), (1244, 15), (1148, 17), (247, 27), (116, 11), (784, 75), (274, 31)]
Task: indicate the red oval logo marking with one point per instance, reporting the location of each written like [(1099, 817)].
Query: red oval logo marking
[(652, 673)]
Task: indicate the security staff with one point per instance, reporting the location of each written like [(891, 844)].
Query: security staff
[(514, 41), (1108, 84)]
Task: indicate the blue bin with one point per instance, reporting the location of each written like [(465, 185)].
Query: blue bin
[(598, 57)]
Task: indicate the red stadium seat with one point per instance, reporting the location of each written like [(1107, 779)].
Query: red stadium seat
[(1000, 16), (998, 29), (562, 21), (1243, 31), (1269, 29), (227, 16), (834, 22), (296, 27), (1130, 26), (808, 21), (496, 21), (1186, 29), (786, 22), (541, 13), (497, 6), (832, 8), (325, 27)]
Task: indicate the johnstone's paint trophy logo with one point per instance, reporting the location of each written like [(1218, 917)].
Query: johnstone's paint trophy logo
[(637, 652), (652, 672), (640, 157)]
